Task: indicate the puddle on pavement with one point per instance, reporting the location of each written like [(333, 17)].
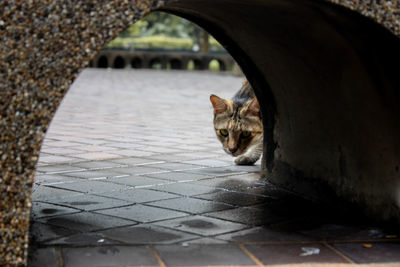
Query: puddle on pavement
[(49, 211), (200, 224)]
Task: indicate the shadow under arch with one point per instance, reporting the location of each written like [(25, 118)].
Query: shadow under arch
[(176, 64), (324, 78), (119, 62), (136, 63), (222, 65), (102, 62)]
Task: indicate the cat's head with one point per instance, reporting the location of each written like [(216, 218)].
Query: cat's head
[(238, 125)]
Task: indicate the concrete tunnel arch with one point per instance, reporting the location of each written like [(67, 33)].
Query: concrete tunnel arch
[(329, 93)]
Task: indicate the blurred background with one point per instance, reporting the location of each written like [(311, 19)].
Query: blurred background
[(165, 41)]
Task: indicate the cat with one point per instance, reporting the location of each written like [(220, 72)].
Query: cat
[(238, 125)]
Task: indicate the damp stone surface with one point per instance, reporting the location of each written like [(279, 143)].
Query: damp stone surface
[(172, 190), (43, 47)]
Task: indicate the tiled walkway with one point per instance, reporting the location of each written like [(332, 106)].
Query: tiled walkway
[(131, 174)]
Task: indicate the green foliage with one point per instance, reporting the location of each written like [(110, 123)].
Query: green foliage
[(214, 65), (135, 29), (160, 30), (152, 42), (164, 42), (215, 45), (164, 24), (190, 65)]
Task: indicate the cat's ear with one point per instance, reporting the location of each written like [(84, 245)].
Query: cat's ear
[(219, 104), (253, 108)]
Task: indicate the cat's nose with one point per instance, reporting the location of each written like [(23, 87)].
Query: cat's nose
[(233, 149)]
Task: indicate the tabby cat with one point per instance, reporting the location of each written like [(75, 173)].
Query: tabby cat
[(238, 125)]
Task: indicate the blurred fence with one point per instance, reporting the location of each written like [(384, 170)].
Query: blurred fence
[(162, 59)]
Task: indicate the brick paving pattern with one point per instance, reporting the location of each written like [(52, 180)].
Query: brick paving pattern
[(131, 174)]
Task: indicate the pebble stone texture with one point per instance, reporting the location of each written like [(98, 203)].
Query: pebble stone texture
[(44, 45)]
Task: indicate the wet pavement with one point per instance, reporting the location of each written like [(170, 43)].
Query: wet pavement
[(131, 174)]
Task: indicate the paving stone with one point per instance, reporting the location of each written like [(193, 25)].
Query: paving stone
[(83, 240), (59, 168), (249, 216), (92, 202), (53, 159), (170, 157), (178, 176), (42, 232), (243, 168), (194, 147), (295, 254), (331, 231), (43, 257), (132, 153), (95, 174), (143, 213), (160, 150), (263, 234), (49, 193), (208, 163), (202, 225), (146, 234), (132, 161), (136, 170), (198, 155), (124, 139), (103, 164), (124, 145), (236, 185), (49, 179), (138, 195), (41, 209), (160, 143), (86, 221), (78, 137), (92, 148), (190, 205), (203, 255), (60, 151), (110, 256), (138, 181), (93, 187), (185, 189), (251, 178), (377, 253), (204, 240), (97, 156), (368, 234), (216, 171), (313, 219), (174, 166), (235, 198), (63, 144)]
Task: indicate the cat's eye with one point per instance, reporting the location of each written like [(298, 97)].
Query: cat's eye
[(246, 134), (224, 132)]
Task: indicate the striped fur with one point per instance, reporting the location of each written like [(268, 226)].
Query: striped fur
[(238, 125)]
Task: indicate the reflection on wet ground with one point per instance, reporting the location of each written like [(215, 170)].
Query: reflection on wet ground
[(131, 174)]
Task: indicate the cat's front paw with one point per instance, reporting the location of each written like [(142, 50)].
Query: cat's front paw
[(243, 160)]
